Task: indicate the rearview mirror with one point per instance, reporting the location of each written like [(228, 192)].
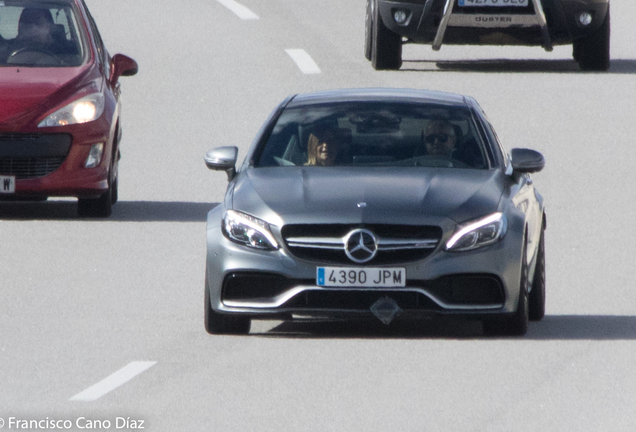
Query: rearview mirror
[(222, 159), (525, 161)]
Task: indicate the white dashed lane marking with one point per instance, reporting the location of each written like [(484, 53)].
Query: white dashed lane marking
[(110, 383), (241, 11), (305, 63)]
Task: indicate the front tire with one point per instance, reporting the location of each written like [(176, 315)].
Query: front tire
[(593, 52), (102, 207), (216, 323), (114, 192), (386, 51), (96, 207), (115, 185), (537, 295), (517, 324)]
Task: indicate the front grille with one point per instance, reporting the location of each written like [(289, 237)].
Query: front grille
[(396, 243), (32, 155), (26, 168)]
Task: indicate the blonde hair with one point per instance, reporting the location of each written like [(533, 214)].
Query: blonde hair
[(322, 134), (312, 147)]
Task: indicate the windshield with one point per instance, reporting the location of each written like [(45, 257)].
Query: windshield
[(39, 34), (375, 134)]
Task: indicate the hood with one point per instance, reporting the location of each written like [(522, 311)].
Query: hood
[(401, 195), (26, 93)]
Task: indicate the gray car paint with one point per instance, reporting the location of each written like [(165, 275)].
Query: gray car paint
[(446, 197)]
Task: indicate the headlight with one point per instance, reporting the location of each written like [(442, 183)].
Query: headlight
[(248, 231), (479, 233), (83, 110)]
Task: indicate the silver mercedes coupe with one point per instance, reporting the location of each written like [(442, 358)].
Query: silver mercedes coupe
[(389, 204)]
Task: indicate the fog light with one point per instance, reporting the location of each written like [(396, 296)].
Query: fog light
[(94, 155), (585, 18), (400, 16)]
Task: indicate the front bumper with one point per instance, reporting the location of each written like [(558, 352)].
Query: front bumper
[(59, 157), (425, 16), (263, 285)]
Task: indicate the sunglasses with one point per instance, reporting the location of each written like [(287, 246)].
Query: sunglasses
[(441, 137)]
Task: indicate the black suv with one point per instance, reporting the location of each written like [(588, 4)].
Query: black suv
[(583, 23)]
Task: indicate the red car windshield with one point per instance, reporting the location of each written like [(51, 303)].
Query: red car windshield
[(39, 34)]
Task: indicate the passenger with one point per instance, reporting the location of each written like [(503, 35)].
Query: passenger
[(440, 138), (323, 146)]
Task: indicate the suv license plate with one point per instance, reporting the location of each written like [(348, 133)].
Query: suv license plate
[(501, 3), (7, 184), (362, 277)]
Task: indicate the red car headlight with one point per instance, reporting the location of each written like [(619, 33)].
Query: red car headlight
[(83, 110)]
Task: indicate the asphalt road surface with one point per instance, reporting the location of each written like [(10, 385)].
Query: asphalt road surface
[(101, 321)]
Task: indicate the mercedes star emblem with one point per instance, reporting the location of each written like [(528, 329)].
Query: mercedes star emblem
[(361, 245)]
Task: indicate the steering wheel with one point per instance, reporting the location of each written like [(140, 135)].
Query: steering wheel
[(42, 56)]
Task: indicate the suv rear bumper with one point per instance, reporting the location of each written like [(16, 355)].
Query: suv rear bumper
[(425, 16)]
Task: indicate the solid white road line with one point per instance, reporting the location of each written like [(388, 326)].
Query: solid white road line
[(305, 63), (108, 384), (240, 10)]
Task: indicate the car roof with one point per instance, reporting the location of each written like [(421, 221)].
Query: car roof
[(379, 95)]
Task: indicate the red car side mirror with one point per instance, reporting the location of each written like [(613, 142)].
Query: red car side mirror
[(122, 65)]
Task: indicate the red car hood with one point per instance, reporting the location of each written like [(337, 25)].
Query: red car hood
[(26, 93)]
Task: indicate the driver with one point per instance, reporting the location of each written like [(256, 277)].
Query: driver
[(38, 36), (440, 138), (35, 32), (35, 29)]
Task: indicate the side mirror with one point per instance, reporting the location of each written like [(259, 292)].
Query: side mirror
[(222, 159), (122, 65), (525, 161)]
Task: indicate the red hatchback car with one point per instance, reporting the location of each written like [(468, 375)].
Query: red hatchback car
[(60, 105)]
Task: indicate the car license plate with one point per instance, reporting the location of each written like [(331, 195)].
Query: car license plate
[(7, 184), (363, 277), (502, 3)]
